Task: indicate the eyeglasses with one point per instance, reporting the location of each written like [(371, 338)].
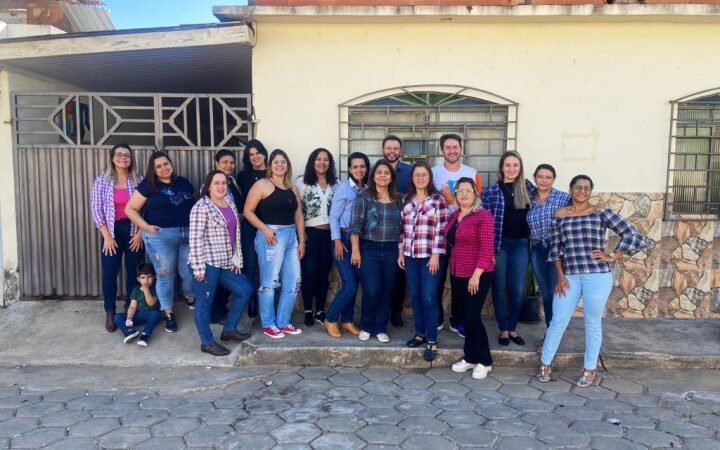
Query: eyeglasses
[(464, 191), (122, 156), (577, 188)]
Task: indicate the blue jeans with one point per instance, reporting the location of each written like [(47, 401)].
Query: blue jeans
[(423, 292), (545, 276), (250, 258), (279, 267), (594, 288), (168, 251), (236, 283), (110, 265), (343, 305), (511, 266), (378, 269), (149, 318)]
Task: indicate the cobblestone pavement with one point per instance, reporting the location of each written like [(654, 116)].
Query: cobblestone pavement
[(339, 408)]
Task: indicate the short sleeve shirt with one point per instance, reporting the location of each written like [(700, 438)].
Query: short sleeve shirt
[(169, 205), (139, 297)]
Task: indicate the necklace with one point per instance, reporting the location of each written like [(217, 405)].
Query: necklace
[(507, 189)]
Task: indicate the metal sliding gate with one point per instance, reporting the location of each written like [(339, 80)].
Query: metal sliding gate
[(62, 141)]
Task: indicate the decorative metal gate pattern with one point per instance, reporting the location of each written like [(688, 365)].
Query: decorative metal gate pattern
[(60, 146)]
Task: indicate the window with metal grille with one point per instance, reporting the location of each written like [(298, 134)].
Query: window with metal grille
[(420, 115), (693, 182)]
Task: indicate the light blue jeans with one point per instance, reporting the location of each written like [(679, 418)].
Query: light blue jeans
[(594, 288), (168, 251), (279, 267)]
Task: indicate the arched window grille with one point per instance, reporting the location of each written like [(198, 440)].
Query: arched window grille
[(693, 179), (421, 114)]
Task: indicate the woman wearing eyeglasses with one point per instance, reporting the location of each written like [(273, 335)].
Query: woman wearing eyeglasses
[(584, 269), (110, 193)]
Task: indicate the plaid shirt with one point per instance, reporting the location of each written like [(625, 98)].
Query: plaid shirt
[(373, 220), (421, 227), (574, 238), (493, 201), (540, 216), (473, 247), (209, 238), (102, 204)]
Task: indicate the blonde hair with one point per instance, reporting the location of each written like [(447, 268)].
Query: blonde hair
[(520, 193), (132, 172), (287, 179)]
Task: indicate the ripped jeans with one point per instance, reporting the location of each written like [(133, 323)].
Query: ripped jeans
[(168, 250), (279, 267)]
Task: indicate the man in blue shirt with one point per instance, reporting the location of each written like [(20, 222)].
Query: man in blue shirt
[(392, 151)]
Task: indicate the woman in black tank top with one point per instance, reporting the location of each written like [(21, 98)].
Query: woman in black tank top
[(272, 206)]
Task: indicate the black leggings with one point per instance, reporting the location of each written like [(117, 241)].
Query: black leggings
[(315, 267), (477, 348)]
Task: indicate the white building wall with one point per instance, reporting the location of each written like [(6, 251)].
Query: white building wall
[(593, 97)]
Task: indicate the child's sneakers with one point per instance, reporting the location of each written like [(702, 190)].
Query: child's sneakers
[(130, 335), (143, 340)]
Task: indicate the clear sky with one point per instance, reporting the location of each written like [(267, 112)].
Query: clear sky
[(163, 13)]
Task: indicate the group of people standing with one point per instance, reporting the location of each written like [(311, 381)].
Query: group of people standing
[(388, 228)]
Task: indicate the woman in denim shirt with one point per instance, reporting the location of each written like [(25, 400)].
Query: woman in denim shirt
[(110, 194), (374, 230), (342, 308)]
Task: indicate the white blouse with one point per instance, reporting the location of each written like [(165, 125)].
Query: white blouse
[(315, 202)]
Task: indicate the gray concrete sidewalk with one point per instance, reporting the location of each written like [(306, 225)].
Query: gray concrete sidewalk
[(72, 332)]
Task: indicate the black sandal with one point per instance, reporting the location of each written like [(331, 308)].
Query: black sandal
[(416, 341), (430, 351)]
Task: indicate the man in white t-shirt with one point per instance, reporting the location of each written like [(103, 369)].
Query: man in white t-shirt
[(445, 175)]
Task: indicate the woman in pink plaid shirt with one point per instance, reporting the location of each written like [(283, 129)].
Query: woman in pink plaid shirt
[(470, 237), (422, 244)]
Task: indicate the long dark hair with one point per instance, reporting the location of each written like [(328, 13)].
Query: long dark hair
[(205, 190), (253, 143), (429, 190), (364, 157), (150, 176), (392, 187), (310, 177)]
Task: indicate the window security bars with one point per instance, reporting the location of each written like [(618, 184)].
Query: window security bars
[(419, 117), (693, 180), (92, 119)]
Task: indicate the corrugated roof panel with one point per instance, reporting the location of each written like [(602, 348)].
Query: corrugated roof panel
[(88, 18)]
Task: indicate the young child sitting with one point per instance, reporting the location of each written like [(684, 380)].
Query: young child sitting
[(144, 308)]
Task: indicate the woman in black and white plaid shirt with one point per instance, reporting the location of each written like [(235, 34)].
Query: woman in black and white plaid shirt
[(584, 269), (215, 259)]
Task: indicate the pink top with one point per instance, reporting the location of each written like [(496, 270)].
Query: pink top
[(231, 220), (121, 196)]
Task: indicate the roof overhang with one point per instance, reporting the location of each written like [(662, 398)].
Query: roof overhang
[(465, 14), (200, 58)]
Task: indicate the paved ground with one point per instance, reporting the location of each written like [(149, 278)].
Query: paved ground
[(86, 407), (72, 332)]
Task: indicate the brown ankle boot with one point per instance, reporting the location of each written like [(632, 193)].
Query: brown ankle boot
[(351, 328), (109, 323), (333, 329)]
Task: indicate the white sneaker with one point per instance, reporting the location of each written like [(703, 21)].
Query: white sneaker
[(462, 366), (480, 371), (441, 326), (382, 337), (364, 335)]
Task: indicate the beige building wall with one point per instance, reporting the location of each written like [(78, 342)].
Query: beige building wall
[(593, 97)]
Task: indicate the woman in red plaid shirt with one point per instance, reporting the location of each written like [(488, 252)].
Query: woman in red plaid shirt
[(422, 244), (469, 234)]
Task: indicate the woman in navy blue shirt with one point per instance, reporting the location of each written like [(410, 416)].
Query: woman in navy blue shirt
[(160, 207)]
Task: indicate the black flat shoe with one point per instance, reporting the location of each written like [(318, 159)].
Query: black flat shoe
[(416, 341), (215, 349), (518, 340), (504, 341), (430, 351), (234, 336)]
